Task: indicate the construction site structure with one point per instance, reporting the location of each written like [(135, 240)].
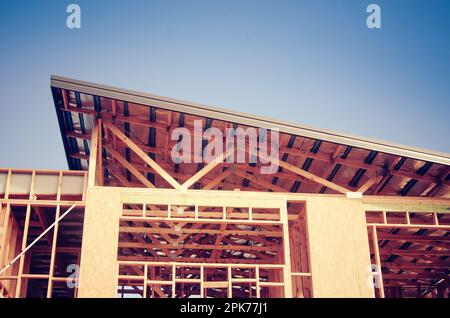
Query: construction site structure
[(341, 216)]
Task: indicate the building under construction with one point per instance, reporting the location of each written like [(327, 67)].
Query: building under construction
[(342, 216)]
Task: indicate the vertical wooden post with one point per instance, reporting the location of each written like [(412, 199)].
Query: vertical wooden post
[(286, 252), (8, 184), (100, 153), (145, 280), (202, 274), (230, 283), (98, 265), (55, 239), (174, 275), (85, 185), (25, 260), (376, 251), (339, 248), (5, 236), (2, 229), (24, 245), (12, 250), (92, 178), (258, 288)]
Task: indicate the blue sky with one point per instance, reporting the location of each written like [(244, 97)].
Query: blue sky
[(312, 62)]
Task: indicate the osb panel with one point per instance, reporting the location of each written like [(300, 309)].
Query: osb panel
[(98, 269), (339, 250)]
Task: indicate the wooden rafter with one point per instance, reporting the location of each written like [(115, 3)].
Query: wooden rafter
[(210, 166), (129, 166), (324, 158), (307, 175), (138, 151), (374, 180)]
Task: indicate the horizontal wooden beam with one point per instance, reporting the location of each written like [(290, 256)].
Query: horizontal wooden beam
[(413, 238), (408, 252), (413, 276), (201, 247), (157, 230)]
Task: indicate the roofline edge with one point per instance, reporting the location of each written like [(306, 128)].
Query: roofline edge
[(248, 119)]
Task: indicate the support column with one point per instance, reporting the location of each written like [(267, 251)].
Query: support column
[(339, 248), (98, 265), (286, 252)]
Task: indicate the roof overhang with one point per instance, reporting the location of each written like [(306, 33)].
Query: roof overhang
[(348, 161), (249, 119)]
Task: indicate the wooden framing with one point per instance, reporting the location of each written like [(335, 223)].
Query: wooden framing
[(142, 155), (315, 247), (242, 118), (27, 210), (168, 234), (229, 283), (93, 284), (224, 216), (314, 160), (338, 213), (410, 250), (147, 209)]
